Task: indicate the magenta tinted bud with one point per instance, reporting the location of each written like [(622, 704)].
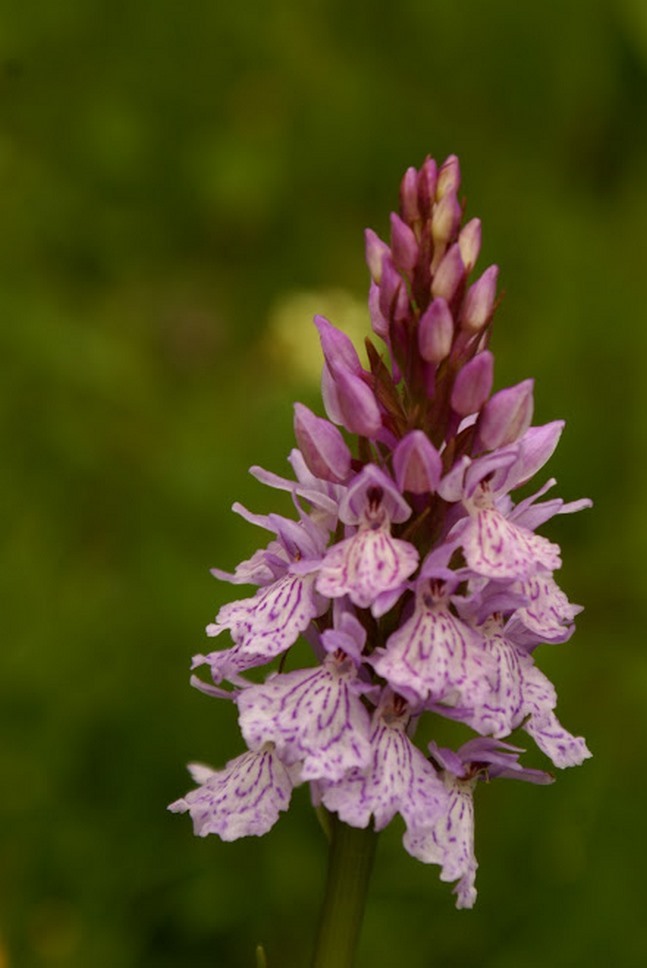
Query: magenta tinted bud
[(473, 384), (409, 196), (357, 403), (417, 464), (506, 416), (389, 287), (449, 177), (446, 218), (336, 346), (479, 299), (449, 274), (402, 308), (427, 179), (330, 396), (322, 445), (404, 248), (469, 242), (435, 331), (378, 322), (376, 249)]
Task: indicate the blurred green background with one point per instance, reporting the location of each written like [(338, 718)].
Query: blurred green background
[(183, 185)]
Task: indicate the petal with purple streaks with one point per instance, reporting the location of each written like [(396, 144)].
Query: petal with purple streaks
[(243, 800), (365, 565), (313, 716)]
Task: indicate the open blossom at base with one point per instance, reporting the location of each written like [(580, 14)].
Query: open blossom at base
[(450, 841), (243, 800), (411, 583), (397, 779)]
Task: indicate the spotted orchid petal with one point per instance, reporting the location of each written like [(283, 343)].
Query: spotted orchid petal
[(497, 548), (264, 626), (397, 779), (433, 656), (366, 565), (313, 716), (450, 841), (243, 800)]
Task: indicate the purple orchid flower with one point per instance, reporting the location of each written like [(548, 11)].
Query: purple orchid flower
[(411, 569)]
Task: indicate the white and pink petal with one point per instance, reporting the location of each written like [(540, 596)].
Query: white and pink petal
[(501, 710), (557, 743), (497, 548), (266, 625), (547, 615), (398, 779), (449, 842), (434, 656), (365, 566), (313, 716), (242, 800)]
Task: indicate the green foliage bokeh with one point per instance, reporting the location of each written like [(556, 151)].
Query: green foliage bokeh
[(174, 179)]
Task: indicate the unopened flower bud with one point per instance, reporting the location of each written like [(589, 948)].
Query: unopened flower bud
[(435, 331), (479, 301), (469, 242), (389, 287), (404, 247), (376, 249), (409, 196), (506, 416), (322, 445), (446, 218), (360, 410), (449, 274), (427, 178), (417, 464), (449, 177), (473, 384), (378, 322), (336, 346)]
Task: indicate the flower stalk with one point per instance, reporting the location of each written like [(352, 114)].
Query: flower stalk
[(350, 861)]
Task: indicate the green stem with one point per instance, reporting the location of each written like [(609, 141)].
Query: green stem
[(349, 868)]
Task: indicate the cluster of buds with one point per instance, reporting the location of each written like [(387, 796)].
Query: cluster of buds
[(418, 582)]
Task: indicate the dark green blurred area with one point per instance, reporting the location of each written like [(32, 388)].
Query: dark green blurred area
[(172, 175)]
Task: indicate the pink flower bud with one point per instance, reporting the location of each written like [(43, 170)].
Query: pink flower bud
[(376, 249), (446, 218), (390, 286), (449, 274), (473, 384), (449, 177), (404, 247), (435, 331), (357, 403), (427, 178), (469, 242), (479, 301), (378, 322), (322, 445), (409, 196), (506, 416), (417, 464), (336, 346)]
